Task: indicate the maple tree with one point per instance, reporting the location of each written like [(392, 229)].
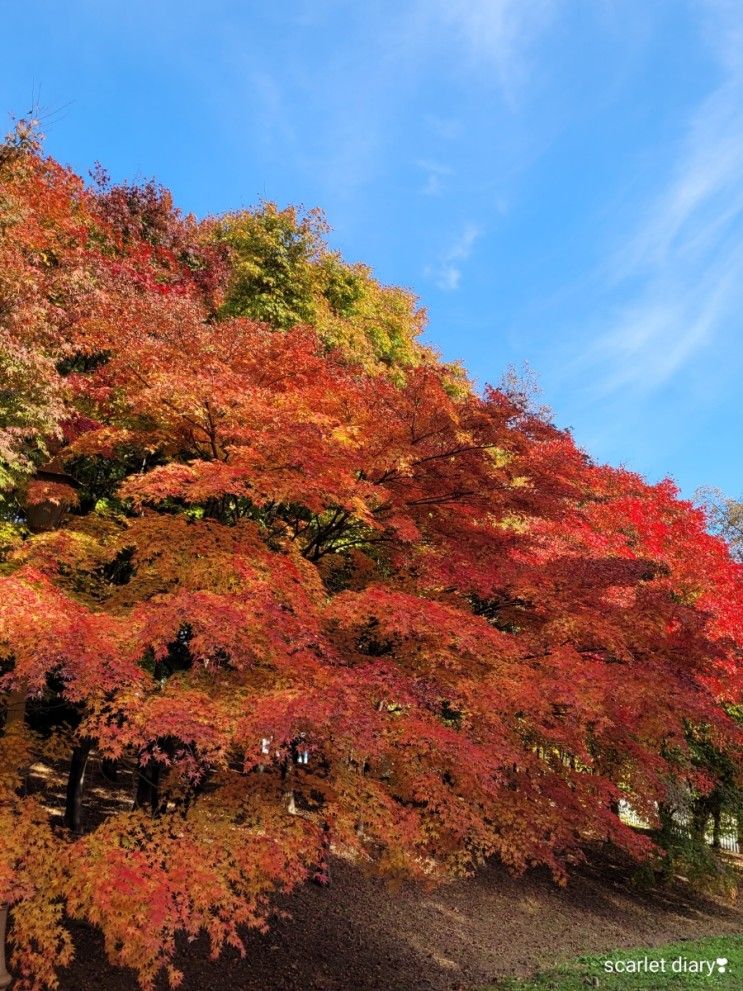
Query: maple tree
[(281, 271), (306, 585)]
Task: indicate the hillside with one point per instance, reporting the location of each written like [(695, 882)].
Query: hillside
[(360, 934), (291, 580)]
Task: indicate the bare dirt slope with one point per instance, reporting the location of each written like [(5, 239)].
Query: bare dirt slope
[(360, 935)]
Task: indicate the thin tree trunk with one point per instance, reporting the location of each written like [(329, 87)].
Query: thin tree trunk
[(5, 978), (110, 770), (16, 707), (699, 820), (322, 871), (148, 787), (75, 782), (15, 718), (150, 780), (716, 826)]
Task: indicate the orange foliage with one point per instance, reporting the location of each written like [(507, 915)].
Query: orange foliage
[(478, 638)]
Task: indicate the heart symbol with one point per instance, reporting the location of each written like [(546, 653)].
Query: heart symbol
[(722, 963)]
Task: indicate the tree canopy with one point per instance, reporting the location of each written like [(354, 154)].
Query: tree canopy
[(307, 583)]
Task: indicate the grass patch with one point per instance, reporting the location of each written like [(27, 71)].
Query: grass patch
[(688, 966)]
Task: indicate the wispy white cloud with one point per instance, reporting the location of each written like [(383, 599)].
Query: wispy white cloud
[(447, 273), (447, 128), (499, 33), (681, 270), (357, 95), (654, 338), (435, 177)]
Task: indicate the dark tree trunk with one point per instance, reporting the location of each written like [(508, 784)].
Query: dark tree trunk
[(110, 770), (5, 978), (699, 820), (149, 782), (716, 825), (15, 712), (148, 787), (321, 875), (75, 782)]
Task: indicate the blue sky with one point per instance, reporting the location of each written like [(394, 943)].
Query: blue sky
[(560, 181)]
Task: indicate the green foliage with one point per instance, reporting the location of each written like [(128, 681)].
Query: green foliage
[(687, 853), (705, 802), (724, 767), (375, 323), (99, 477), (282, 273), (11, 537), (272, 252), (29, 406)]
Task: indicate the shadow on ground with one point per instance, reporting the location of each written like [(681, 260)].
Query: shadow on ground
[(360, 935)]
